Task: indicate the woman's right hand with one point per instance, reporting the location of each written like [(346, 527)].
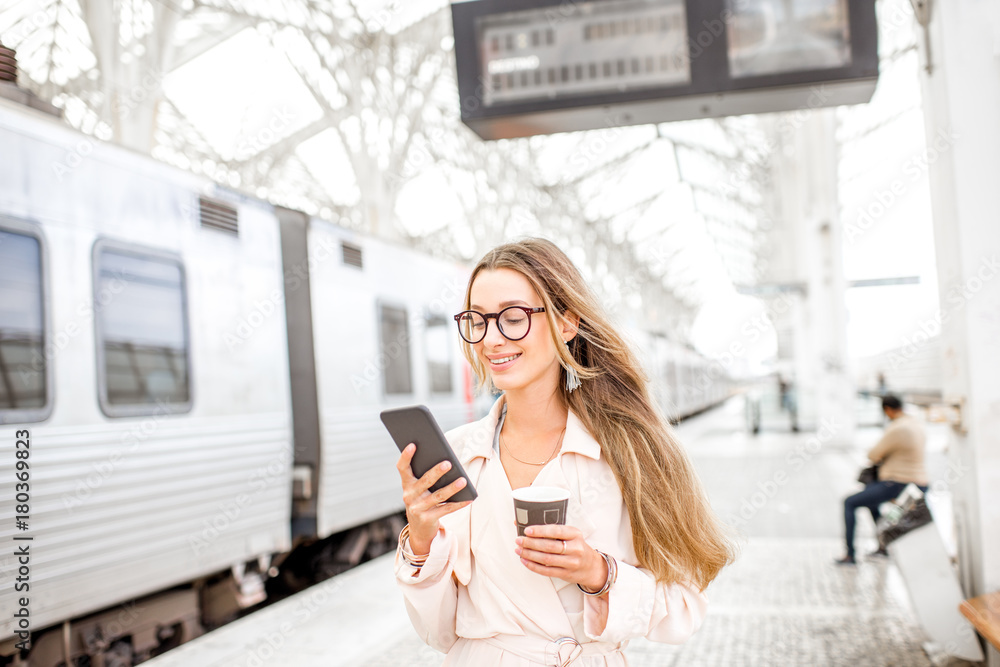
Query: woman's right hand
[(423, 508)]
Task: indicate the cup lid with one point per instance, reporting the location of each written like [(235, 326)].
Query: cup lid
[(541, 494)]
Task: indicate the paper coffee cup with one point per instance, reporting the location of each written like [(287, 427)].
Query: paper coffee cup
[(539, 505)]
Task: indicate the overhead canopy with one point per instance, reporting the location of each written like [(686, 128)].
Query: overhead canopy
[(350, 111)]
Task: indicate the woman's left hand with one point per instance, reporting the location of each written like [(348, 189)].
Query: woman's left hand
[(560, 551)]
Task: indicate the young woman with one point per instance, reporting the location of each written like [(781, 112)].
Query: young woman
[(640, 543)]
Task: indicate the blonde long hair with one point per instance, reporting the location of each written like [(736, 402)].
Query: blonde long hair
[(675, 533)]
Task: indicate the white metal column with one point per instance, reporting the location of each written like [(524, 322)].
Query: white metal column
[(961, 87), (804, 205)]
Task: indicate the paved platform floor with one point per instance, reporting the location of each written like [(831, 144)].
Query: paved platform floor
[(783, 603)]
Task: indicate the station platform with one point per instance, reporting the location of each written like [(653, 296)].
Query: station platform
[(783, 603)]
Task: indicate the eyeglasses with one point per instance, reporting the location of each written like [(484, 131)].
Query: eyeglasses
[(514, 323)]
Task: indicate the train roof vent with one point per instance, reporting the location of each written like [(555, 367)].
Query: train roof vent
[(8, 65), (216, 215), (352, 255)]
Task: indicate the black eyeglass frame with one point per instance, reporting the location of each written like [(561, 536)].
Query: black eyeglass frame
[(496, 316)]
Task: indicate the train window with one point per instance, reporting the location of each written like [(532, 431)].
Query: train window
[(395, 343), (143, 352), (437, 342), (23, 362)]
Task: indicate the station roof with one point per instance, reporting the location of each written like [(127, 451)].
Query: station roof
[(349, 110)]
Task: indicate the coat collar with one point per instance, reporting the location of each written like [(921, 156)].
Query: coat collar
[(478, 441)]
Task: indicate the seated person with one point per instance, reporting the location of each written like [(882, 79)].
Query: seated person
[(900, 455)]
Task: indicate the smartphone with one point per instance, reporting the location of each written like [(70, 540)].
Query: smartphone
[(416, 424)]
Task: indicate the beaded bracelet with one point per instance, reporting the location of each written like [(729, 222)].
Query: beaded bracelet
[(408, 556), (612, 576)]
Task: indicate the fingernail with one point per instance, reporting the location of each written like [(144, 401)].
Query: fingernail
[(461, 482), (445, 465), (517, 551), (518, 541), (529, 531)]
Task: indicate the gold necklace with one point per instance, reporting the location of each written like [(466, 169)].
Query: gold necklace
[(528, 463)]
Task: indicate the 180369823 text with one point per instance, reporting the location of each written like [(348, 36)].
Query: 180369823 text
[(22, 541)]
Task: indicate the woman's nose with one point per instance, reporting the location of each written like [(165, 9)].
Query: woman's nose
[(493, 336)]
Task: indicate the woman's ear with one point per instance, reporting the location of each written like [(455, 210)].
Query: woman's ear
[(570, 324)]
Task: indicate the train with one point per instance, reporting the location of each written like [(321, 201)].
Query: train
[(190, 383)]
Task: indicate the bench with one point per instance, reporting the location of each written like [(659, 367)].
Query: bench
[(984, 613)]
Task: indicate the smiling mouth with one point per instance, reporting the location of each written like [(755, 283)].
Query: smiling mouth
[(503, 360)]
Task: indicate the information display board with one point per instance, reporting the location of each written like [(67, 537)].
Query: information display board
[(530, 67), (600, 48)]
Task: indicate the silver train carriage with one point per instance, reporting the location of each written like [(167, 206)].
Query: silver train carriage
[(683, 381), (163, 343)]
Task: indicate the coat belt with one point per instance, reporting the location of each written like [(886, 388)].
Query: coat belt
[(561, 652)]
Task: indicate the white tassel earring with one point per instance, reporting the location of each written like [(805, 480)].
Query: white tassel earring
[(572, 377)]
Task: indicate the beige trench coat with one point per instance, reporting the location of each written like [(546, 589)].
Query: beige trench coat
[(475, 601)]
